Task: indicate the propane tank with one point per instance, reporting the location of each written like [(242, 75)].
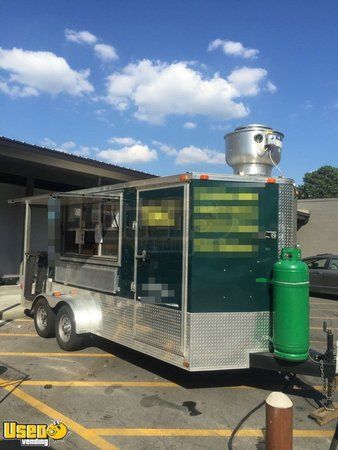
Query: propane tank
[(290, 282)]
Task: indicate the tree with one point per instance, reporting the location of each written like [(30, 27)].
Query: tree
[(321, 183)]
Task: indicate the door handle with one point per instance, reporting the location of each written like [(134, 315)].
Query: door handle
[(143, 256)]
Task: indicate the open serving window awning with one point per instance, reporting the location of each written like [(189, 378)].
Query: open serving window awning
[(42, 200)]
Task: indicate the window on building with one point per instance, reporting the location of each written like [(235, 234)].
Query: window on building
[(91, 227)]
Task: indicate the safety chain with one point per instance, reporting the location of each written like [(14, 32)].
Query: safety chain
[(322, 377), (329, 387)]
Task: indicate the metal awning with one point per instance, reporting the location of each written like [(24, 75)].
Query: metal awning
[(42, 200), (34, 200)]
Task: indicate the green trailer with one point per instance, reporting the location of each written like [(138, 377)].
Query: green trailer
[(170, 266), (198, 270)]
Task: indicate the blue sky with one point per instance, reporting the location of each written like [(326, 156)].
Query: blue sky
[(154, 85)]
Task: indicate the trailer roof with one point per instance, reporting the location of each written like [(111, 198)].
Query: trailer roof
[(151, 182)]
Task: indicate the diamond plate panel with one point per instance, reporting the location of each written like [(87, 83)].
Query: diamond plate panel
[(117, 324), (158, 326), (87, 276), (225, 340), (158, 330), (214, 341), (287, 217)]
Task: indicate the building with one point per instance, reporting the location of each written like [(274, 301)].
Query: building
[(27, 170), (318, 226)]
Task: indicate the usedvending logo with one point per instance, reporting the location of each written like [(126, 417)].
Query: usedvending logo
[(33, 434)]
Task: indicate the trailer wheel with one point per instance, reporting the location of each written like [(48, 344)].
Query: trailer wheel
[(65, 330), (44, 319)]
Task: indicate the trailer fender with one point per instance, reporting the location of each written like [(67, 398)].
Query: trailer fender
[(87, 313)]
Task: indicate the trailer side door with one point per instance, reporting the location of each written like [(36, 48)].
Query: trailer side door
[(158, 268)]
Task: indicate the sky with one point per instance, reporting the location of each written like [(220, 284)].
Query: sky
[(155, 85)]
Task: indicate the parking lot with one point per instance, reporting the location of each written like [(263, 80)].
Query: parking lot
[(112, 397)]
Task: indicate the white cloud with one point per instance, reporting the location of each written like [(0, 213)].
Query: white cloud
[(106, 52), (84, 150), (129, 150), (80, 37), (30, 73), (270, 87), (159, 89), (137, 153), (126, 141), (189, 125), (167, 149), (192, 154), (233, 48), (246, 80), (48, 143), (17, 91), (197, 155), (69, 147)]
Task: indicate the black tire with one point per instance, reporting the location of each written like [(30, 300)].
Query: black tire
[(44, 319), (65, 330)]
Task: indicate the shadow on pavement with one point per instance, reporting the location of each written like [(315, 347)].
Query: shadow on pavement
[(254, 378)]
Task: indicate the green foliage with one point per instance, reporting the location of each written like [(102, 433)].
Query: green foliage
[(321, 183)]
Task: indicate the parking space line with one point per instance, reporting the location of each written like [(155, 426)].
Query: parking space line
[(321, 328), (331, 318), (18, 320), (173, 432), (80, 430), (190, 432), (323, 303), (137, 384), (19, 334), (58, 354), (322, 307), (101, 383)]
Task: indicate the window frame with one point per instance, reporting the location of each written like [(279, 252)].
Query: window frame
[(94, 259), (326, 265), (334, 258)]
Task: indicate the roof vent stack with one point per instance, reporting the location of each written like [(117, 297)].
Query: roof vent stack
[(253, 150)]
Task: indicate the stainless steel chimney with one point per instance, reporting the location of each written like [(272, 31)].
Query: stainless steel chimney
[(253, 149)]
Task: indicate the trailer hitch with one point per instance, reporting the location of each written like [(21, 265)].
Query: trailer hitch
[(328, 367), (320, 365)]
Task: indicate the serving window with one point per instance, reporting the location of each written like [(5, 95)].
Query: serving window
[(91, 227)]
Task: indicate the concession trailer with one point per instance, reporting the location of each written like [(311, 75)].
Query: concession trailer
[(174, 267), (199, 270)]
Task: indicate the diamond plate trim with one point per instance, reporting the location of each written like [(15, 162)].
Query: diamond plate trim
[(158, 330), (225, 340), (287, 217), (117, 324), (87, 276), (158, 326), (214, 341)]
